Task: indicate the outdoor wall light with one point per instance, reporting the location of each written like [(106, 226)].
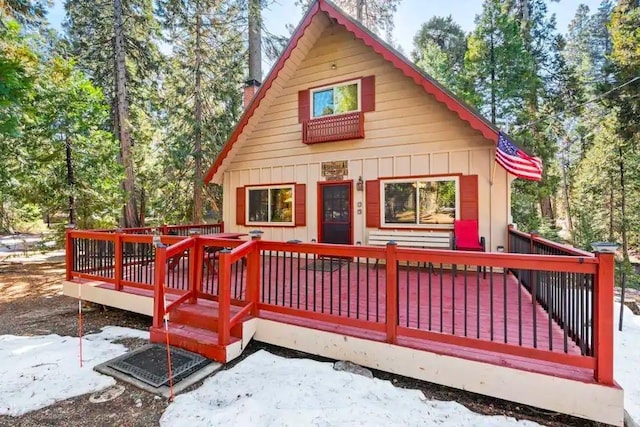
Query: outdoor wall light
[(609, 247), (360, 184)]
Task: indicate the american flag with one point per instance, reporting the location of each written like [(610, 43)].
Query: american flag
[(516, 161)]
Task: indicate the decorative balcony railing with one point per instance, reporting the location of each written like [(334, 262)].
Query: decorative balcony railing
[(333, 128)]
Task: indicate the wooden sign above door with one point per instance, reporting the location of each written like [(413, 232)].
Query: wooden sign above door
[(335, 169)]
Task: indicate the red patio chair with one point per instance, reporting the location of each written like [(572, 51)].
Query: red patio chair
[(466, 238)]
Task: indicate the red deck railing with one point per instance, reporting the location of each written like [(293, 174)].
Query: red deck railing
[(549, 307)]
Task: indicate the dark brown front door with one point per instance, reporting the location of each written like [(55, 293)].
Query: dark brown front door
[(335, 213)]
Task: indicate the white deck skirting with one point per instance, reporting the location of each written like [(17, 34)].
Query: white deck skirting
[(585, 400)]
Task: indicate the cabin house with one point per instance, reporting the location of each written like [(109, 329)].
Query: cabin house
[(346, 137), (359, 170)]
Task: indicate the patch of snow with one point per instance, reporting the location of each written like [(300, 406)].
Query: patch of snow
[(38, 371), (268, 390), (627, 359)]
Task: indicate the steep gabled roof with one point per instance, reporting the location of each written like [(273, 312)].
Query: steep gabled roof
[(430, 86)]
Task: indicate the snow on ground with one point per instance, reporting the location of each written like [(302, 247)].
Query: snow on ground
[(38, 371), (627, 359), (263, 389), (268, 390)]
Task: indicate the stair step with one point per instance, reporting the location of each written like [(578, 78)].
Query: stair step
[(198, 340), (200, 316)]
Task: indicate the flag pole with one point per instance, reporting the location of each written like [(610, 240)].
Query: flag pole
[(495, 163)]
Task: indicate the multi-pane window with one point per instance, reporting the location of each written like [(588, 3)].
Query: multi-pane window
[(423, 201), (270, 204), (338, 99)]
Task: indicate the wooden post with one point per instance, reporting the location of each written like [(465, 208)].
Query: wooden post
[(509, 228), (533, 274), (69, 252), (222, 226), (160, 267), (391, 305), (117, 241), (195, 267), (253, 275), (224, 296), (603, 318), (532, 237), (164, 229)]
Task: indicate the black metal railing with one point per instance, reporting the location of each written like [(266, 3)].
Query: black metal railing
[(178, 270), (462, 300), (138, 262), (210, 277), (346, 287), (94, 257), (567, 297)]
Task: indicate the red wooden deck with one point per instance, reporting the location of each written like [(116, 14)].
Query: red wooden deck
[(495, 308)]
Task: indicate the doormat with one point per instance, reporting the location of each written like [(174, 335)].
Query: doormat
[(149, 364), (327, 265)]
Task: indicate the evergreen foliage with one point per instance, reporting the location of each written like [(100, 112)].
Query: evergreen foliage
[(163, 90)]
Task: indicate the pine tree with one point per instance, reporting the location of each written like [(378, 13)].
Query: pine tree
[(376, 15), (497, 65), (68, 159), (439, 49), (202, 90), (114, 41), (26, 12), (625, 58)]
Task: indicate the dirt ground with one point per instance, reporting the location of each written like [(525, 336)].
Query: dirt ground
[(31, 304)]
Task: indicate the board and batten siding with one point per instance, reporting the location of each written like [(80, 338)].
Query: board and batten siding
[(409, 133)]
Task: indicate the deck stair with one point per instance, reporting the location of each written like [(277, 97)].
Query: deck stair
[(194, 327)]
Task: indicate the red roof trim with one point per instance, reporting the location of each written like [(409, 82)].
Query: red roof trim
[(442, 95), (262, 92)]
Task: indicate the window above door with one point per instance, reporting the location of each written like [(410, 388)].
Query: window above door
[(337, 99)]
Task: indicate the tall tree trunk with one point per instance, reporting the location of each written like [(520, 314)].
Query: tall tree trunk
[(623, 208), (612, 208), (546, 208), (70, 181), (492, 65), (197, 149), (565, 185), (130, 216), (255, 41), (143, 206)]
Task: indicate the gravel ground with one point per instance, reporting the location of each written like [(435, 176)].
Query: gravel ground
[(31, 304)]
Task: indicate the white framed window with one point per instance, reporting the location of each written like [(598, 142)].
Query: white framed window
[(270, 204), (429, 202), (336, 99)]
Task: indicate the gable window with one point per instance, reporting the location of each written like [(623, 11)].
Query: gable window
[(273, 204), (333, 100), (420, 202)]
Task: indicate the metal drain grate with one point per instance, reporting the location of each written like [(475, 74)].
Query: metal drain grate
[(149, 364)]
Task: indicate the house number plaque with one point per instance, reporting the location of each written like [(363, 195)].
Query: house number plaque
[(335, 169)]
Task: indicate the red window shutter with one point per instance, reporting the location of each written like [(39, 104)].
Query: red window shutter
[(368, 94), (303, 106), (373, 203), (301, 204), (241, 202), (469, 197)]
